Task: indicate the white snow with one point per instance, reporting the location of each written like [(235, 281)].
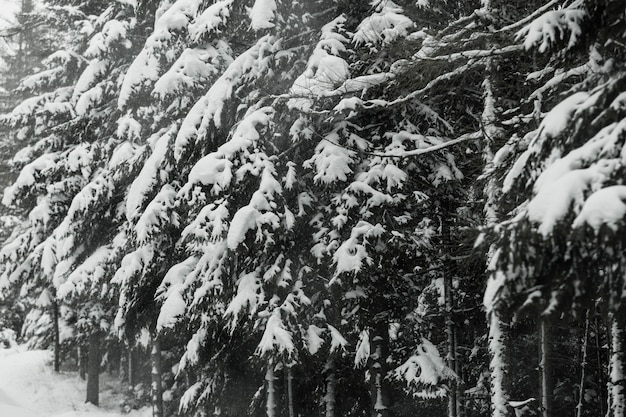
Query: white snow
[(604, 207), (30, 388), (262, 14), (384, 26), (250, 295), (559, 117), (247, 66), (210, 20), (552, 27), (325, 70), (275, 337), (150, 174), (554, 200), (425, 367)]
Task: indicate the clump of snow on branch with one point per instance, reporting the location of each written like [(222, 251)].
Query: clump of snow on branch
[(147, 66), (352, 255), (210, 20), (262, 14), (151, 173), (424, 371), (385, 25), (604, 207), (326, 69), (249, 296), (170, 292), (246, 67), (552, 27), (275, 336)]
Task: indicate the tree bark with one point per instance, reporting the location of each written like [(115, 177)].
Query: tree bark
[(500, 382), (289, 378), (133, 367), (157, 388), (82, 361), (583, 368), (93, 374), (617, 368), (330, 399), (57, 336), (270, 378), (545, 366), (600, 363), (378, 367), (123, 366), (451, 357)]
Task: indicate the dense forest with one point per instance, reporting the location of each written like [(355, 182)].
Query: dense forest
[(321, 207)]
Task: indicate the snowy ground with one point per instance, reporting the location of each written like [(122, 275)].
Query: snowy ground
[(29, 388)]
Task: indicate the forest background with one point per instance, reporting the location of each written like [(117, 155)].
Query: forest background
[(324, 207)]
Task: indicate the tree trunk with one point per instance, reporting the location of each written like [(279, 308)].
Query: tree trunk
[(82, 361), (378, 370), (93, 374), (133, 367), (547, 385), (123, 366), (498, 348), (583, 367), (451, 357), (330, 399), (459, 382), (57, 337), (600, 363), (289, 378), (157, 389), (270, 378), (617, 383)]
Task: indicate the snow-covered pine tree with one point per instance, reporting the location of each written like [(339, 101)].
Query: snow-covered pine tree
[(560, 249), (71, 170)]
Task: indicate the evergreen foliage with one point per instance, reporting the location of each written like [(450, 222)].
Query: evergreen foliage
[(296, 206)]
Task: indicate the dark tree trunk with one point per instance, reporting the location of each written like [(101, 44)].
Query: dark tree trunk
[(289, 380), (57, 337), (450, 333), (157, 389), (123, 372), (330, 399), (583, 368), (93, 374), (82, 361), (133, 366)]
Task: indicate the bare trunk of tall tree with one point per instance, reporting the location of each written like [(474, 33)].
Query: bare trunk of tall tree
[(499, 366), (157, 388), (57, 336), (459, 382), (289, 383), (330, 399), (123, 366), (93, 373), (270, 378), (451, 357), (82, 361), (600, 363), (617, 367), (133, 367), (545, 366), (378, 367), (583, 368)]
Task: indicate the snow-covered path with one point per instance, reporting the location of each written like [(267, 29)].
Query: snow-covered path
[(29, 388)]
